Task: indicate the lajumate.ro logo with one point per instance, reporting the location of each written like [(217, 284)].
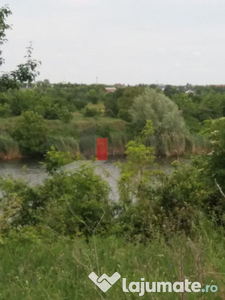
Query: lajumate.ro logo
[(142, 287)]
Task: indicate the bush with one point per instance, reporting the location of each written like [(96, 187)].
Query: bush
[(64, 114), (58, 112), (30, 131), (19, 204), (164, 204), (92, 110), (70, 203), (78, 203)]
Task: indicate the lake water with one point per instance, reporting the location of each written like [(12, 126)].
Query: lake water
[(33, 172)]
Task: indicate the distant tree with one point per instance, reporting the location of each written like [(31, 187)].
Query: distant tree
[(163, 112), (170, 91), (92, 96), (111, 103), (188, 105), (64, 114)]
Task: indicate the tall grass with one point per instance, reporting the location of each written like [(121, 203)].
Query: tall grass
[(118, 141), (9, 148), (177, 144), (63, 144), (197, 144), (87, 141), (58, 268)]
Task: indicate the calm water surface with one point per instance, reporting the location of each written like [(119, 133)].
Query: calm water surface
[(33, 172)]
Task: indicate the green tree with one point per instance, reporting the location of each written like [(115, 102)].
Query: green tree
[(170, 91), (4, 13), (31, 132), (169, 126), (26, 72), (155, 106), (189, 107), (64, 115), (111, 103), (92, 96)]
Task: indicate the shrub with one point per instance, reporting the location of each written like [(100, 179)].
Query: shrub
[(92, 110), (19, 204), (74, 203), (31, 132), (78, 203), (58, 112), (64, 114)]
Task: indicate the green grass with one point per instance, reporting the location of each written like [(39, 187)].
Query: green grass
[(63, 144), (59, 269), (9, 148)]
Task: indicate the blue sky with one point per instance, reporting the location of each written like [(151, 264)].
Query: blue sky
[(120, 41)]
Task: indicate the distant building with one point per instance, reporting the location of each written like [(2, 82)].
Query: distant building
[(119, 85), (110, 89), (189, 92)]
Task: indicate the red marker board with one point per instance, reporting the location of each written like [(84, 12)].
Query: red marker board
[(102, 149)]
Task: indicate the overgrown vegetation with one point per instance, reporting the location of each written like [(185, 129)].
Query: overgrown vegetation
[(170, 223)]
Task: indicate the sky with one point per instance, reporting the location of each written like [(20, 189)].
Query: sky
[(120, 41)]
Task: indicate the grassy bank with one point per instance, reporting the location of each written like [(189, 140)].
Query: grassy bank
[(79, 136), (59, 269)]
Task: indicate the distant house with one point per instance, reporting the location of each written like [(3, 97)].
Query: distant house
[(189, 92), (110, 89)]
